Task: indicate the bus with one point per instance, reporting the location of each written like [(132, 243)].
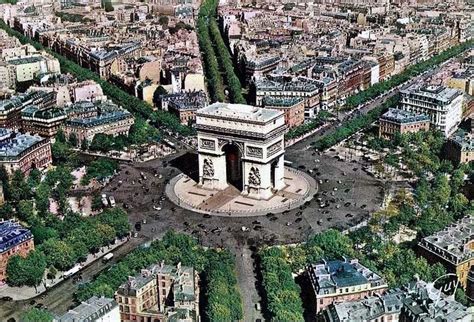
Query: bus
[(72, 271), (108, 257)]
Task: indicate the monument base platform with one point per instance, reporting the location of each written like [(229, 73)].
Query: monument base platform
[(188, 194)]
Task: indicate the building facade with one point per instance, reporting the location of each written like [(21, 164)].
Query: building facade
[(86, 119), (443, 105), (97, 309), (453, 247), (243, 146), (10, 109), (460, 147), (340, 281), (160, 293), (14, 240), (24, 152), (292, 107), (396, 121)]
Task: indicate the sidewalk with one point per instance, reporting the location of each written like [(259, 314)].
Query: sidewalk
[(25, 292)]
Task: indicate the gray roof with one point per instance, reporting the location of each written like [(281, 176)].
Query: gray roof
[(452, 243), (465, 140), (12, 144), (403, 117), (90, 310), (239, 112), (440, 94), (327, 276)]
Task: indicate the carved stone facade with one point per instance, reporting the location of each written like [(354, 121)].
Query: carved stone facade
[(241, 145)]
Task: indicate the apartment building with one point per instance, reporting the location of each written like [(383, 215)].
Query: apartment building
[(342, 280), (443, 105), (160, 293), (453, 247)]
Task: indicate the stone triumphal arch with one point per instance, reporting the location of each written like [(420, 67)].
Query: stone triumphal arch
[(242, 146)]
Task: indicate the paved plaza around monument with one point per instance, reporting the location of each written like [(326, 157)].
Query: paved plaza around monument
[(186, 193)]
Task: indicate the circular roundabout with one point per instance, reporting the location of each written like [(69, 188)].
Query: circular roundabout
[(187, 193)]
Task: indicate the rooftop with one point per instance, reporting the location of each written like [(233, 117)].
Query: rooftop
[(452, 243), (440, 93), (26, 60), (90, 310), (12, 234), (403, 117), (239, 112), (419, 299), (330, 275), (12, 144), (465, 140)]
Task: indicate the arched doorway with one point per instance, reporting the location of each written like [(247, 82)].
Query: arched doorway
[(233, 161), (273, 167)]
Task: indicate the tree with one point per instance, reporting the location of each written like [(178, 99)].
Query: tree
[(73, 139), (26, 211), (58, 253), (84, 145), (102, 142), (27, 271), (34, 178), (60, 136), (36, 315), (19, 189), (334, 244)]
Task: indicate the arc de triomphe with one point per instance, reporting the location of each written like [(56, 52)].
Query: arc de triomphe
[(243, 146)]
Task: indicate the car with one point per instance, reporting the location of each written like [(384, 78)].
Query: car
[(256, 222), (298, 220), (325, 212), (207, 216), (39, 306), (6, 298), (138, 226), (273, 218), (363, 206), (257, 227), (347, 190), (347, 204), (355, 169)]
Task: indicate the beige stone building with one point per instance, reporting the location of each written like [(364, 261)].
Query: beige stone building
[(160, 293), (396, 121)]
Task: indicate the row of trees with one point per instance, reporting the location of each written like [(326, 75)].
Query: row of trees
[(223, 297), (406, 75), (131, 103), (355, 124), (216, 56), (211, 66), (232, 81), (222, 292), (281, 291)]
